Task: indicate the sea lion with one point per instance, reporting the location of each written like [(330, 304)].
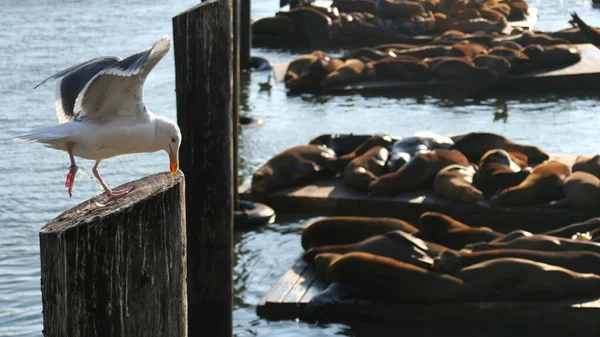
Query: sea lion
[(474, 144), (276, 25), (519, 61), (391, 9), (490, 14), (530, 38), (366, 168), (539, 242), (417, 173), (341, 144), (466, 49), (397, 245), (340, 162), (572, 229), (443, 230), (365, 54), (350, 6), (507, 44), (466, 14), (306, 73), (542, 185), (458, 68), (402, 281), (416, 24), (499, 170), (518, 11), (341, 230), (294, 166), (350, 72), (497, 64), (523, 279), (335, 64), (582, 191), (299, 64), (423, 51), (480, 25), (455, 183), (590, 33), (587, 164), (552, 57), (578, 261), (406, 68), (420, 142)]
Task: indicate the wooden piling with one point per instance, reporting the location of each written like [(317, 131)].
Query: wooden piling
[(245, 34), (203, 46), (117, 267), (235, 118)]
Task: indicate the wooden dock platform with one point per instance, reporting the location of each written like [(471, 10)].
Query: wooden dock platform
[(583, 75), (290, 295), (331, 197)]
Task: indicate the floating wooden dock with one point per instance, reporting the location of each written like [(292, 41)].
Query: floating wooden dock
[(583, 75), (332, 197), (289, 297), (324, 41)]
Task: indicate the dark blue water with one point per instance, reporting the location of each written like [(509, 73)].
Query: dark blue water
[(39, 38)]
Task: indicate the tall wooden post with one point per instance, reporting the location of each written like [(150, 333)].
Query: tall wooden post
[(236, 100), (245, 35), (203, 45), (117, 267)]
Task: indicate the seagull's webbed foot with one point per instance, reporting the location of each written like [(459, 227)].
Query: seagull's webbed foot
[(71, 178)]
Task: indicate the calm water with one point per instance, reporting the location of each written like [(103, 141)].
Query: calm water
[(39, 38)]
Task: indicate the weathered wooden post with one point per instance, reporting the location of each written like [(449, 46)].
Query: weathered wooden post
[(117, 267), (245, 35), (203, 45), (236, 99)]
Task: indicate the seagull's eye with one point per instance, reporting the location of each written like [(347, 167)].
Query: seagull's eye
[(173, 139)]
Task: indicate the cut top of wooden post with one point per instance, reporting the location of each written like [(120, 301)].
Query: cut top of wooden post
[(101, 205)]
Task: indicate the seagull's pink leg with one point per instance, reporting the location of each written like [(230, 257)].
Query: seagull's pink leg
[(72, 170), (106, 188)]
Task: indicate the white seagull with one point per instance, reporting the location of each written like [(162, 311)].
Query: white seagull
[(101, 113)]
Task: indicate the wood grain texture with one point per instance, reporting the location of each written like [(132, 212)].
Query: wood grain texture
[(203, 45), (117, 266)]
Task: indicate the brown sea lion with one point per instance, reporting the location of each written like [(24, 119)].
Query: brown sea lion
[(490, 14), (530, 38), (294, 166), (397, 245), (335, 64), (399, 68), (340, 162), (590, 33), (544, 184), (341, 230), (466, 14), (458, 68), (587, 164), (582, 191), (350, 72), (499, 170), (518, 11), (443, 230), (417, 173), (455, 183), (474, 144), (402, 281), (365, 54), (552, 57), (466, 49), (393, 46), (299, 64), (507, 44), (480, 25), (539, 242), (416, 24), (497, 64), (518, 60), (423, 51), (579, 261), (390, 9), (366, 168), (572, 229), (524, 279), (276, 25)]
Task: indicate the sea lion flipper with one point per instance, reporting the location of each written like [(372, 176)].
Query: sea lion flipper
[(332, 293)]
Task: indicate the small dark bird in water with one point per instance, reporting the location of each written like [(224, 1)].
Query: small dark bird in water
[(266, 85), (501, 113)]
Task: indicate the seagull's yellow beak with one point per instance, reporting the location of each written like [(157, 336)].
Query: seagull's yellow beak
[(173, 162)]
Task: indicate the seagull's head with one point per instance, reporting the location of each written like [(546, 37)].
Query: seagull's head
[(168, 137)]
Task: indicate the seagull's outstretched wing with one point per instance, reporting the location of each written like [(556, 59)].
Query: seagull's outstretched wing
[(72, 80), (107, 86), (118, 89)]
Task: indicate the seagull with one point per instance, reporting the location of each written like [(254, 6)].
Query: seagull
[(101, 113)]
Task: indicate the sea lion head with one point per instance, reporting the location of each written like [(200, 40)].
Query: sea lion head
[(447, 262)]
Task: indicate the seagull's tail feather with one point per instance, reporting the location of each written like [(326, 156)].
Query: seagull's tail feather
[(46, 134)]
